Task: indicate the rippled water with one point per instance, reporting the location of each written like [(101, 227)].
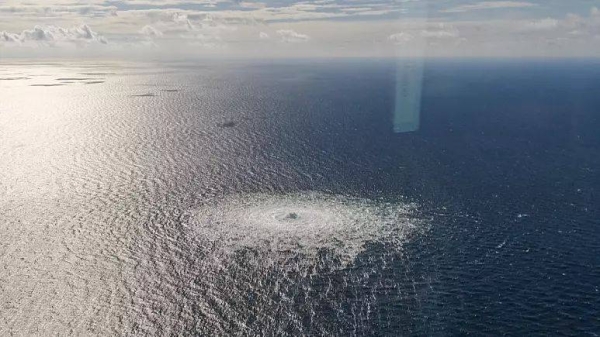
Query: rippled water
[(274, 199)]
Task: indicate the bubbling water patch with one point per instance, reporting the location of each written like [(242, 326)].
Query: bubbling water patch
[(294, 264), (304, 224)]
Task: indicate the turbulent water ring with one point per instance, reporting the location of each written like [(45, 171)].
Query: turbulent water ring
[(303, 223)]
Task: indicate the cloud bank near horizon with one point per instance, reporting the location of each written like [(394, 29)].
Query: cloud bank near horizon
[(370, 28)]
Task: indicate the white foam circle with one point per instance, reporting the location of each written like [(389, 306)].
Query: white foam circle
[(303, 224)]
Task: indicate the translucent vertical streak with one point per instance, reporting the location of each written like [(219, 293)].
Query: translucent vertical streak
[(409, 78)]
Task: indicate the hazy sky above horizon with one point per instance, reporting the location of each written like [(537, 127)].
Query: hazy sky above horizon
[(284, 28)]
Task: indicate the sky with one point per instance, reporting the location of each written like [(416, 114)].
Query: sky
[(287, 28)]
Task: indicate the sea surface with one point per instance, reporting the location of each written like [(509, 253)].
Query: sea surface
[(240, 198)]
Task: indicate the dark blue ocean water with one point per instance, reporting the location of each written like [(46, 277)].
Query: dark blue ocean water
[(507, 161), (103, 177), (511, 151)]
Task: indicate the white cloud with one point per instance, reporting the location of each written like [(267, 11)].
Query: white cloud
[(442, 31), (178, 32), (401, 38), (63, 10), (489, 5), (288, 35), (38, 34), (150, 31), (183, 19), (9, 37), (421, 38), (174, 27), (55, 36)]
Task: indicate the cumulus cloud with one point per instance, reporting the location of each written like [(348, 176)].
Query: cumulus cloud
[(184, 21), (55, 36), (190, 29), (150, 31), (9, 37), (288, 35), (38, 34)]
